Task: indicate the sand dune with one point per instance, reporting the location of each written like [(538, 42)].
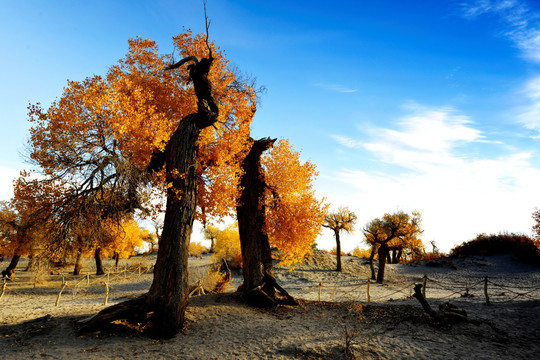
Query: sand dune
[(391, 326)]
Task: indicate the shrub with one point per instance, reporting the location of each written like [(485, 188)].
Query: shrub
[(361, 253), (227, 247), (522, 246), (197, 249)]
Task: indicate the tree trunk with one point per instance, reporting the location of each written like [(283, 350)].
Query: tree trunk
[(116, 257), (99, 263), (383, 253), (78, 262), (161, 311), (10, 270), (259, 287), (399, 255), (371, 257), (338, 250), (256, 253)]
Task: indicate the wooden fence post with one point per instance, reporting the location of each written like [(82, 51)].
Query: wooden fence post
[(64, 284), (106, 293), (320, 286), (3, 288), (367, 290)]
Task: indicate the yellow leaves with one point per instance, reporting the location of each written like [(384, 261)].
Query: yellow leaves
[(293, 213), (342, 219), (227, 246)]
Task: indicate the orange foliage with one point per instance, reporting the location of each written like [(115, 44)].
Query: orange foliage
[(227, 246), (334, 252), (293, 214), (361, 253), (130, 113)]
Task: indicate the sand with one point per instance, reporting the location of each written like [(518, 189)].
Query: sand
[(392, 325)]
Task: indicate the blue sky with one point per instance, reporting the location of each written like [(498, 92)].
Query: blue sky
[(427, 105)]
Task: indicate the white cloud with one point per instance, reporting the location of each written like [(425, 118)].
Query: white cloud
[(336, 88), (529, 114), (521, 22), (458, 194)]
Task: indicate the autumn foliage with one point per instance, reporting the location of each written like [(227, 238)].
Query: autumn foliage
[(294, 215)]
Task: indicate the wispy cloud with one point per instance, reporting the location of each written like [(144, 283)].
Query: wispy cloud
[(335, 88), (459, 193), (425, 137), (521, 23)]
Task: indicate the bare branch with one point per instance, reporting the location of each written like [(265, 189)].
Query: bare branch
[(182, 62)]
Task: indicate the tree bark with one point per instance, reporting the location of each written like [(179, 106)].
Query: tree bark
[(259, 287), (383, 253), (161, 312), (338, 250), (99, 263), (116, 258), (78, 262), (10, 270)]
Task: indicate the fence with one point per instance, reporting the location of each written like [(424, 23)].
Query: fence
[(488, 290), (79, 285)]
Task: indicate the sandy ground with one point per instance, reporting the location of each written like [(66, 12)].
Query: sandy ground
[(392, 325)]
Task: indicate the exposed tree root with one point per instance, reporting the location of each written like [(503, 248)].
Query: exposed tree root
[(269, 294), (451, 314)]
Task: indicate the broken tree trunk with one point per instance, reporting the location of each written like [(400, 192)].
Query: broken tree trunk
[(259, 287), (450, 314), (161, 312)]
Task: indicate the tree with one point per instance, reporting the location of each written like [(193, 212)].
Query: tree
[(211, 233), (24, 217), (392, 232), (294, 215), (162, 309), (341, 220), (227, 246), (277, 207)]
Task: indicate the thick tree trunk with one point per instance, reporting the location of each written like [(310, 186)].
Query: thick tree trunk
[(78, 262), (168, 294), (161, 311), (338, 250), (99, 263), (259, 286), (10, 270), (256, 253), (383, 253)]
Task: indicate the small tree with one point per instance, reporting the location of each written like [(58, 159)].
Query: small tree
[(392, 232), (343, 219)]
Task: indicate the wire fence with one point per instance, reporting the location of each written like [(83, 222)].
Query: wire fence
[(489, 291), (83, 285), (100, 287)]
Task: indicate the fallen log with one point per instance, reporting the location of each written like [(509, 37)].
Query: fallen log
[(451, 314)]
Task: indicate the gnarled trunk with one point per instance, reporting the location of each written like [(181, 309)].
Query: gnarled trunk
[(161, 311), (10, 270), (259, 286), (99, 262)]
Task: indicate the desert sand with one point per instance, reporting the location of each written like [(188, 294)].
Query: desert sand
[(36, 323)]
